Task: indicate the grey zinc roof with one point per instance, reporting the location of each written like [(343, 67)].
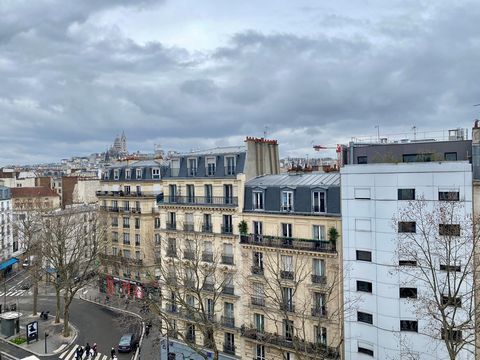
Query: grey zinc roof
[(313, 179), (215, 151), (140, 163)]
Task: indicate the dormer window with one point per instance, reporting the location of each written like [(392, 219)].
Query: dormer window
[(230, 165), (319, 202), (106, 175), (138, 173), (258, 200), (155, 173), (192, 167), (287, 200), (210, 166), (128, 174), (116, 174)]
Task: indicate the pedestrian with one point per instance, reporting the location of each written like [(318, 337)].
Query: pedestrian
[(94, 348), (78, 355), (112, 352), (92, 353), (80, 352), (87, 351)]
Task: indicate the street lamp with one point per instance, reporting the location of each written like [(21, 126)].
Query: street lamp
[(46, 335)]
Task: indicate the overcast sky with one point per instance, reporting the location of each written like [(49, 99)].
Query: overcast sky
[(192, 74)]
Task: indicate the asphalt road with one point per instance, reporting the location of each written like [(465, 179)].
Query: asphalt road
[(95, 323)]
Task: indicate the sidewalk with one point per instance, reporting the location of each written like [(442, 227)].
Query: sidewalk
[(55, 340), (150, 346)]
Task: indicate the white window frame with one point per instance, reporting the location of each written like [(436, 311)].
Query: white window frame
[(319, 192), (319, 230), (116, 174), (128, 174), (210, 161), (155, 173), (258, 195), (287, 200), (138, 173)]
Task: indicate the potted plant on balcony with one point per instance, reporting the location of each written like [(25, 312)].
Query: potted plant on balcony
[(243, 229), (332, 237)]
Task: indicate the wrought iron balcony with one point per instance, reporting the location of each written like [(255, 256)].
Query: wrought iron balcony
[(189, 254), (227, 259), (188, 227), (319, 311), (208, 287), (172, 252), (287, 306), (257, 270), (227, 230), (121, 193), (207, 256), (257, 301), (171, 225), (228, 321), (199, 200), (229, 349), (319, 279), (287, 275), (228, 290), (288, 243), (207, 228)]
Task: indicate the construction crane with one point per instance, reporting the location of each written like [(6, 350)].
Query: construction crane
[(337, 148)]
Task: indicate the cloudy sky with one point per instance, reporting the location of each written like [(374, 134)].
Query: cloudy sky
[(192, 74)]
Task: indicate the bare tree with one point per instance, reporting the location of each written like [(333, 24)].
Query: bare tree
[(435, 251), (193, 280), (300, 317), (72, 240)]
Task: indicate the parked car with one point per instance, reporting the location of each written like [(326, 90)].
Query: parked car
[(26, 285), (127, 343)]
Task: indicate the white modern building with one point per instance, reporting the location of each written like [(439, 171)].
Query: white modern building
[(381, 321), (8, 248)]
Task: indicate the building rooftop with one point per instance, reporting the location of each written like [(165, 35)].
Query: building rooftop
[(133, 164), (315, 179), (214, 151), (37, 191)]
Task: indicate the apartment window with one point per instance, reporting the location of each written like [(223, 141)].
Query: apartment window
[(319, 202), (190, 193), (227, 256), (318, 232), (115, 221), (172, 193), (172, 247), (407, 227), (257, 227), (362, 193), (364, 350), (450, 156), (114, 251), (192, 167), (229, 343), (258, 200), (451, 301), (363, 255), (287, 201), (157, 239), (128, 174), (320, 334), (138, 190), (287, 231), (115, 236), (157, 223), (287, 267), (155, 173), (449, 229), (364, 317), (230, 165), (138, 173), (137, 223), (208, 194), (258, 260), (259, 321), (126, 222), (407, 263), (211, 163), (227, 224), (409, 325), (362, 160), (287, 297), (318, 268), (126, 205), (408, 292), (450, 268), (319, 303), (364, 286), (126, 238), (258, 291), (126, 189), (406, 194), (172, 219), (449, 195), (116, 174), (228, 194), (207, 222), (454, 335), (137, 239), (137, 206), (260, 352), (288, 329)]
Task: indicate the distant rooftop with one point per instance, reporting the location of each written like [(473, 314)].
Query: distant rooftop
[(38, 191), (315, 179), (414, 136), (135, 163), (214, 151)]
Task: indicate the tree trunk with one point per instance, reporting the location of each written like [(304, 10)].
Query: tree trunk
[(66, 316), (35, 295), (59, 306)]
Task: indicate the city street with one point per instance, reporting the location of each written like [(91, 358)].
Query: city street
[(95, 323)]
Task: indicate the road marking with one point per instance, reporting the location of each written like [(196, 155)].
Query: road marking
[(72, 351)]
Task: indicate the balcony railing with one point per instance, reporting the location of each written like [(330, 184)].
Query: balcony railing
[(319, 311), (287, 306), (287, 275), (172, 252), (288, 243), (228, 290), (228, 321), (207, 256), (208, 287), (289, 342), (207, 228), (121, 259), (125, 194), (199, 200), (319, 279), (229, 349), (188, 227), (227, 259), (257, 301), (189, 255), (171, 308), (227, 230), (257, 270), (171, 225)]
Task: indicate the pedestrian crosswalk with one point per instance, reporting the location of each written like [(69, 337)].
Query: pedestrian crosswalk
[(16, 291), (70, 354)]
